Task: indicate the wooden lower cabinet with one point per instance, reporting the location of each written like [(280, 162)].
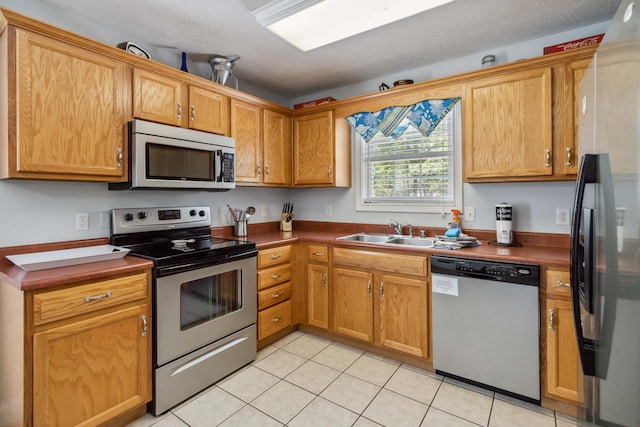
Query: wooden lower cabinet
[(318, 295), (353, 303), (561, 361), (89, 371), (275, 311), (77, 354), (388, 309)]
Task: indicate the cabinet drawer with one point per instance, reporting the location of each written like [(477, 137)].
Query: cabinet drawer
[(274, 319), (381, 261), (273, 276), (558, 283), (274, 295), (319, 253), (61, 304), (273, 256)]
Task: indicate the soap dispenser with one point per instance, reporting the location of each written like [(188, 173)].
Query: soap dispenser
[(455, 226)]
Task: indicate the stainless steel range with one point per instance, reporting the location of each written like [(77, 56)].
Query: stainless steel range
[(204, 297)]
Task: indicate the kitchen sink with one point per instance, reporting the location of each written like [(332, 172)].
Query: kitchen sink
[(370, 238), (393, 239), (412, 241)]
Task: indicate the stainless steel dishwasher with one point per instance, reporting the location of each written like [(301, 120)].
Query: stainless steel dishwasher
[(485, 319)]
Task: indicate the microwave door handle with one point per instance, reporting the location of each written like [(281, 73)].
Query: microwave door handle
[(217, 170)]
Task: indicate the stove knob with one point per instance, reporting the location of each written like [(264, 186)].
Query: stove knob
[(202, 213), (128, 217), (192, 212), (142, 215)]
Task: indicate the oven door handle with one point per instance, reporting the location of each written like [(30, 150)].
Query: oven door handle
[(209, 355)]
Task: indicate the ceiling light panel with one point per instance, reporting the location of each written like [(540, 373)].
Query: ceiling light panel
[(309, 24)]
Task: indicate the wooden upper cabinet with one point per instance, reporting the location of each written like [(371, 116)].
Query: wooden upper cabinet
[(170, 101), (158, 98), (276, 142), (263, 145), (508, 126), (68, 107), (321, 151), (247, 132)]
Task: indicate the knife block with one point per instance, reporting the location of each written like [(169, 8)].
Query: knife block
[(284, 224)]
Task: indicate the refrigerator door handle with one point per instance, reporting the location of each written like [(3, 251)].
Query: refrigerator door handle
[(580, 262)]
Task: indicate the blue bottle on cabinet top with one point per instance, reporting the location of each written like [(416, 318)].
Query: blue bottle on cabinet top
[(183, 67)]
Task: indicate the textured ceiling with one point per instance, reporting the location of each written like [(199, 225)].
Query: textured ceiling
[(463, 27)]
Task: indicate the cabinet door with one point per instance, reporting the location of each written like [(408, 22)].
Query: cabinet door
[(276, 150), (246, 130), (507, 126), (71, 106), (313, 149), (208, 111), (353, 303), (158, 98), (91, 370), (403, 314), (562, 351), (318, 295)]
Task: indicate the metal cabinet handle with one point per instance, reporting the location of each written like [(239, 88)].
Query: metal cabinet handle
[(98, 297), (329, 171), (276, 276), (369, 288), (259, 169), (192, 116), (276, 256), (276, 295), (548, 157), (179, 110), (569, 162), (266, 170), (144, 325), (324, 279), (120, 157), (561, 283), (276, 319), (552, 325), (381, 289), (318, 253)]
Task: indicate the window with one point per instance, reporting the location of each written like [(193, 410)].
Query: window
[(412, 173)]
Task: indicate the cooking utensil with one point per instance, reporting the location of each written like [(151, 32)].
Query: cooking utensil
[(233, 212), (249, 212), (221, 68)]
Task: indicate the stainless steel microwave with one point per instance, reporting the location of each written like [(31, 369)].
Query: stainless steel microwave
[(173, 158)]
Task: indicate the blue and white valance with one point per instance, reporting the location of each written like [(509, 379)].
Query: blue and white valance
[(424, 116)]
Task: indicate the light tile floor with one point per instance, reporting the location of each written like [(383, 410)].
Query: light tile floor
[(304, 380)]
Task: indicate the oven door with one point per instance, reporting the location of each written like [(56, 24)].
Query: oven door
[(198, 307)]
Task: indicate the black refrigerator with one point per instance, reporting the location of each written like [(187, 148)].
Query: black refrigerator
[(605, 243)]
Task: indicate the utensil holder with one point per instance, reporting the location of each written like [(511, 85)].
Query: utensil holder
[(240, 228), (284, 224)]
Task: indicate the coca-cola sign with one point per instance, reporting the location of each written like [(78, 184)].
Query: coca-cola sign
[(574, 44)]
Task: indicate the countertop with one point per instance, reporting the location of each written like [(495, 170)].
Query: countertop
[(536, 249)]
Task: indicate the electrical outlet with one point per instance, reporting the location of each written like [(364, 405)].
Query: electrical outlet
[(82, 221), (563, 217), (469, 214), (263, 211), (328, 210)]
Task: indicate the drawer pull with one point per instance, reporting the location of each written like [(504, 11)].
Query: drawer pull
[(276, 256), (276, 276), (276, 319), (276, 295), (552, 325), (144, 325), (97, 297), (561, 283), (318, 253)]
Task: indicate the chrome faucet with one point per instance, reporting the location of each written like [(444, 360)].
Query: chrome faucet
[(410, 230), (396, 226)]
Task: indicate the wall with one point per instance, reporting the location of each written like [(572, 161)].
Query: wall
[(34, 211)]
